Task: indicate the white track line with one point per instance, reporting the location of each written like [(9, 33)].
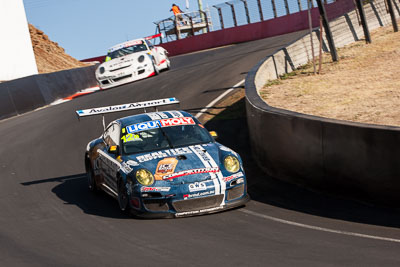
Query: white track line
[(318, 228), (219, 98)]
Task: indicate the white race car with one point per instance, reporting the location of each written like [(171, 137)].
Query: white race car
[(131, 61)]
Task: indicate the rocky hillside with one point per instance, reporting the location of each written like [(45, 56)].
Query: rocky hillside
[(49, 55)]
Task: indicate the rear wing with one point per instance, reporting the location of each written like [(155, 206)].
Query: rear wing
[(125, 107), (154, 36)]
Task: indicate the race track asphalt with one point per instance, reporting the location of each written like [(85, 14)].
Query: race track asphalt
[(49, 218)]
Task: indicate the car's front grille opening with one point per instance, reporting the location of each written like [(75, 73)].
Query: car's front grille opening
[(235, 192), (155, 204), (121, 78), (105, 82), (198, 203), (141, 71), (120, 68)]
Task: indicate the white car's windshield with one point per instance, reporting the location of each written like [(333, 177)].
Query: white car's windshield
[(137, 141), (127, 50)]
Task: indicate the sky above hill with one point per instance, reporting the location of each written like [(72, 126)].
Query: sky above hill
[(87, 28)]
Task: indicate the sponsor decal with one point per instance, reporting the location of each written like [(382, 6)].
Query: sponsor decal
[(176, 114), (197, 211), (177, 121), (145, 104), (201, 153), (234, 176), (163, 154), (157, 115), (126, 168), (190, 172), (155, 124), (197, 186), (240, 181), (142, 126), (155, 189), (151, 156), (132, 163), (126, 44), (165, 167), (202, 194)]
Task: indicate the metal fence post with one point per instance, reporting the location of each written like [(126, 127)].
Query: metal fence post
[(392, 15), (299, 3), (233, 13), (159, 30), (246, 9), (274, 8), (363, 21), (287, 7), (260, 10), (206, 20), (221, 19), (328, 32)]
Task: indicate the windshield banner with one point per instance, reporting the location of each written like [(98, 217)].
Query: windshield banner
[(157, 123)]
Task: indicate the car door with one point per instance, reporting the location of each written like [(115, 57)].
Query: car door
[(109, 165)]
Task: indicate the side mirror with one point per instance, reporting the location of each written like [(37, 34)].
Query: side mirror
[(113, 150), (214, 134)]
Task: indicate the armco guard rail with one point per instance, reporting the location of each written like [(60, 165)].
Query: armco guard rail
[(356, 160), (28, 93)]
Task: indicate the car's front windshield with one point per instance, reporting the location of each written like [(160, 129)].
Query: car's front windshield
[(123, 51), (162, 138)]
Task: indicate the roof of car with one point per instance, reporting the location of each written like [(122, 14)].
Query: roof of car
[(150, 116)]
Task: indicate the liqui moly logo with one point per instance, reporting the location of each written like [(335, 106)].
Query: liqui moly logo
[(157, 123), (142, 126), (177, 121)]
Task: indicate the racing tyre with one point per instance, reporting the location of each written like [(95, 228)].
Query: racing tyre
[(91, 181), (122, 196), (156, 70)]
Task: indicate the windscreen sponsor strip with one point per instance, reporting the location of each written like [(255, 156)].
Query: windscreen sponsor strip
[(125, 107), (126, 44), (157, 123)]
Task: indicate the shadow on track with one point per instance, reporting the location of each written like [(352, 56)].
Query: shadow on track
[(73, 190), (231, 126)]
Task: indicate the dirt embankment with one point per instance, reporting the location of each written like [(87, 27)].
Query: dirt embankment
[(49, 55), (364, 86)]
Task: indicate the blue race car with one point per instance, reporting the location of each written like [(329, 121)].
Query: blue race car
[(163, 164)]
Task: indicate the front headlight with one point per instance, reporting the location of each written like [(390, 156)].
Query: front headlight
[(144, 177), (141, 59), (231, 164), (102, 70)]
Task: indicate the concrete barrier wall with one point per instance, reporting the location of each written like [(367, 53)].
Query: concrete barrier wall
[(353, 159), (28, 93)]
